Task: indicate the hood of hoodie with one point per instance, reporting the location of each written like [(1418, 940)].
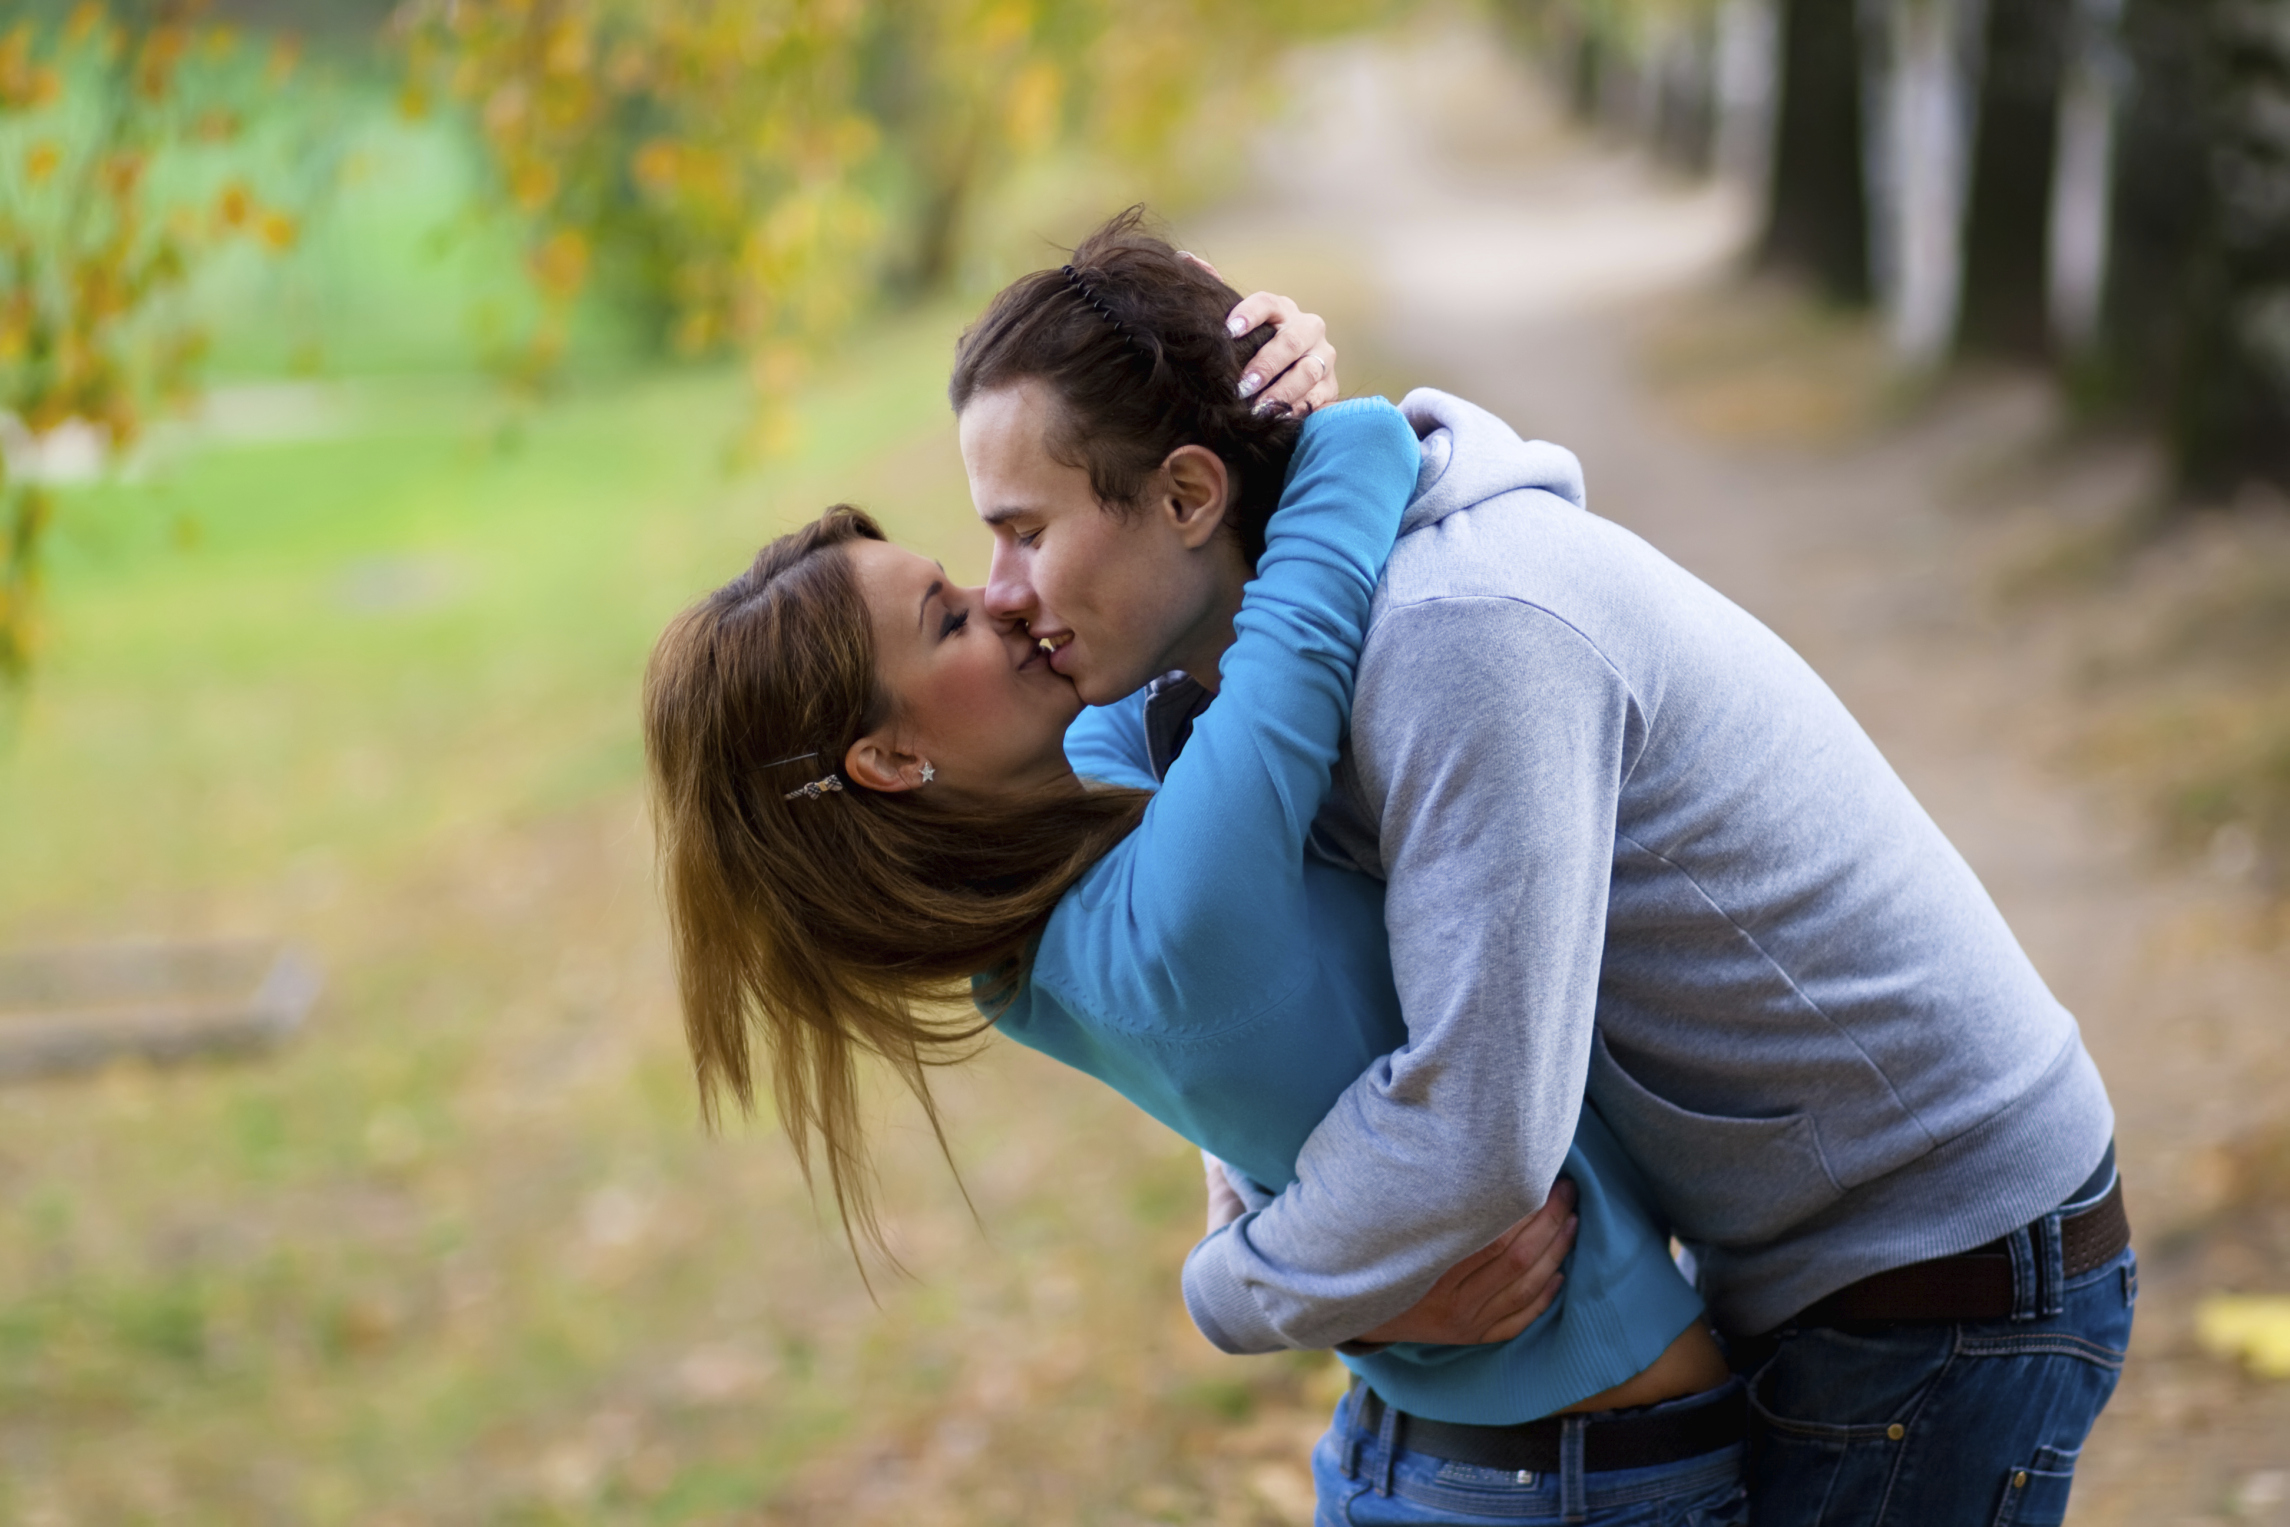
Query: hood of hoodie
[(1470, 456)]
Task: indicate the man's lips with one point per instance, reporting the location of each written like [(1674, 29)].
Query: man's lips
[(1054, 649)]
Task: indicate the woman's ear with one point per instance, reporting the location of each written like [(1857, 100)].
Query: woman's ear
[(874, 762), (1197, 490)]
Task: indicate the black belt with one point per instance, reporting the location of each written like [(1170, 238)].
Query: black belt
[(1973, 1285), (1621, 1440)]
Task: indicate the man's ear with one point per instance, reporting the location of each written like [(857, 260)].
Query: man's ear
[(1196, 490), (876, 763)]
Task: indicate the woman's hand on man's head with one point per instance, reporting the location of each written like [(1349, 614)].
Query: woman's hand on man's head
[(1295, 372)]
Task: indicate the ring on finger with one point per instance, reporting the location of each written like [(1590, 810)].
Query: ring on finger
[(1322, 364)]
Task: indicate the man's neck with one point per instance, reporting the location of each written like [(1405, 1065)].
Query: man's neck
[(1202, 651)]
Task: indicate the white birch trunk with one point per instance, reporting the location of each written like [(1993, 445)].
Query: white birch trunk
[(1748, 94), (1921, 105), (2083, 177)]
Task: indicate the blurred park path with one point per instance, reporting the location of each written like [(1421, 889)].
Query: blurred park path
[(1590, 299)]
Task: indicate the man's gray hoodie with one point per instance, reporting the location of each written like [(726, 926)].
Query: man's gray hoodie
[(1637, 850)]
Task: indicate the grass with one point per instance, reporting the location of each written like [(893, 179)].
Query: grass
[(460, 1252)]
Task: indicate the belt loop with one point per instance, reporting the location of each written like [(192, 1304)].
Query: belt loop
[(2054, 1247), (1387, 1446), (1348, 1427), (1572, 1505), (2038, 1272)]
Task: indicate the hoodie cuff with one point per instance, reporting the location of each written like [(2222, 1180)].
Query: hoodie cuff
[(1220, 1303)]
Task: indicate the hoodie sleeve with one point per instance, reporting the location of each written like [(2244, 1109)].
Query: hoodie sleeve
[(1490, 747)]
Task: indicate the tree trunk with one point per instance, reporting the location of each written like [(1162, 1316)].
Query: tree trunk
[(2199, 310), (1921, 89), (1748, 77), (2013, 178), (2083, 177), (1814, 222), (1681, 62)]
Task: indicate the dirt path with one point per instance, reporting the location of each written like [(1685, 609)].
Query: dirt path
[(1585, 299)]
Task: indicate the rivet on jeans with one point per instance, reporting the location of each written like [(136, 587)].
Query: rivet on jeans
[(1896, 1431)]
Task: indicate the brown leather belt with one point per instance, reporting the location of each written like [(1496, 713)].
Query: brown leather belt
[(1973, 1285), (1634, 1439)]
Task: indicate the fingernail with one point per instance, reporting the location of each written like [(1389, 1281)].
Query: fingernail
[(1249, 382), (1236, 326), (1268, 407)]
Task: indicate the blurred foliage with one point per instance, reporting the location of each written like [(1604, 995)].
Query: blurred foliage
[(114, 188), (749, 177)]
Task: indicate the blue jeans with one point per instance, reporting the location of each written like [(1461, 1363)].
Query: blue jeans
[(1365, 1481), (1976, 1424)]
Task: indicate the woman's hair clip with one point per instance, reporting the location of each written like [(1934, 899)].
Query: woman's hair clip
[(831, 785)]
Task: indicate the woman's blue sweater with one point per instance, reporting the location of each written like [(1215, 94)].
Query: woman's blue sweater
[(1232, 988)]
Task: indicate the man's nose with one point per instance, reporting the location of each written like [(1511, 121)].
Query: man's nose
[(1009, 593)]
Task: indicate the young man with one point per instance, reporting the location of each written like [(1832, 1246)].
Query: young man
[(1638, 853)]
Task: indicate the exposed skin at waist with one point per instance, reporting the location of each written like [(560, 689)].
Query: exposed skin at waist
[(1689, 1365)]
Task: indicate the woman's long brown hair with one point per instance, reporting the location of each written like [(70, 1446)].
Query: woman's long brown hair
[(835, 927), (840, 926)]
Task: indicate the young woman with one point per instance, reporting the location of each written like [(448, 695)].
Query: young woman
[(864, 804)]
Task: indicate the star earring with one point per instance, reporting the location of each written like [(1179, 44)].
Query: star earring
[(928, 773)]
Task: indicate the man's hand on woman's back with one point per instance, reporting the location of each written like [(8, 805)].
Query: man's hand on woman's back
[(1495, 1293)]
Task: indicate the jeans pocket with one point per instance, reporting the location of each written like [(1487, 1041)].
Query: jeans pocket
[(1831, 1415), (1727, 1506), (2036, 1496)]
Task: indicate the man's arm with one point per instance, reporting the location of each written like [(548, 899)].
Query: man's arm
[(1490, 738)]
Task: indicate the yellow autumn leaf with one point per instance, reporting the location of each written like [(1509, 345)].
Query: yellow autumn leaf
[(560, 264), (40, 161), (567, 49), (655, 165), (532, 183), (277, 231), (2253, 1329), (1032, 113), (235, 205)]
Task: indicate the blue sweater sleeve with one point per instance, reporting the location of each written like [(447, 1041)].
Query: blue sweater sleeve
[(1198, 919), (1107, 742)]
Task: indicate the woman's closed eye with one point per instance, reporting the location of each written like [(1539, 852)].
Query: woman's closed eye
[(955, 621)]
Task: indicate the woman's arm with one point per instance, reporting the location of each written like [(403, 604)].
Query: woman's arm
[(1107, 743), (1199, 918)]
